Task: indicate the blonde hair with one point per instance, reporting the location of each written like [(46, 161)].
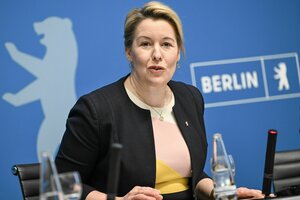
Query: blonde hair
[(154, 10)]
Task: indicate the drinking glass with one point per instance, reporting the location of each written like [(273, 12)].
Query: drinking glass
[(50, 188), (232, 164), (70, 185)]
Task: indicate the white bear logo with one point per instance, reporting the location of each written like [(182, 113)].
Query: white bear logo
[(55, 78), (282, 76)]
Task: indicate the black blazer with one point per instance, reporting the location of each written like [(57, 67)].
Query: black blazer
[(108, 115)]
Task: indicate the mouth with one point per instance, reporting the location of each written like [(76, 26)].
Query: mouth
[(155, 67)]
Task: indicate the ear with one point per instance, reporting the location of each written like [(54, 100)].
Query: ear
[(68, 22), (128, 54), (178, 56)]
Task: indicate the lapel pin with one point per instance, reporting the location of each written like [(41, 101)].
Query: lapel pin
[(186, 123)]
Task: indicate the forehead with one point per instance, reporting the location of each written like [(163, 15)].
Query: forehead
[(155, 28)]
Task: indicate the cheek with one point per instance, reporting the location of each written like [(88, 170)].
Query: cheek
[(172, 62), (140, 57)]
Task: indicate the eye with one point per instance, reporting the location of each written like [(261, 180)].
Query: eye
[(167, 44), (145, 44)]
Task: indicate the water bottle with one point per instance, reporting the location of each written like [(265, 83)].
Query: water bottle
[(223, 170), (50, 187)]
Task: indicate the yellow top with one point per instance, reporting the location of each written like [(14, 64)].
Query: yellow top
[(168, 180)]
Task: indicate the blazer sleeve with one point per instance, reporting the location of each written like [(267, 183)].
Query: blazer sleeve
[(79, 149)]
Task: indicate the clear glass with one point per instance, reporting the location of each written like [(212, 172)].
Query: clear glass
[(223, 171), (52, 195), (232, 164), (71, 185), (54, 186), (50, 188)]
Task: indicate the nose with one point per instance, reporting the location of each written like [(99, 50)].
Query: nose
[(156, 55)]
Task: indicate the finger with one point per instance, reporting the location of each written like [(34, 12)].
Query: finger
[(147, 191), (249, 193), (145, 197), (257, 193), (150, 192)]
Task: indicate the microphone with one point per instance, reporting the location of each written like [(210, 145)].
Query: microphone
[(269, 162), (114, 170)]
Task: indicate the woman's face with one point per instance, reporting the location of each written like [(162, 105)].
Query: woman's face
[(154, 52)]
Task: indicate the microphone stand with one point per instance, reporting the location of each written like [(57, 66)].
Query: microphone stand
[(114, 170)]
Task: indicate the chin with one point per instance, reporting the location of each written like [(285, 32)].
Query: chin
[(159, 82)]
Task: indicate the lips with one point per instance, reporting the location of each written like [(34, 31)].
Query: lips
[(154, 67)]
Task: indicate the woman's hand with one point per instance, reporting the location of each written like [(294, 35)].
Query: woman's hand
[(245, 193), (142, 193)]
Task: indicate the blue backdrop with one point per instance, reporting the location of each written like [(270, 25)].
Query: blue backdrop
[(242, 55)]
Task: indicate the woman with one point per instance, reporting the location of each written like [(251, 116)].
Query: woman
[(158, 121)]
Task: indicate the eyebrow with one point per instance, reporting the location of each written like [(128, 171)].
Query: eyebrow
[(148, 38)]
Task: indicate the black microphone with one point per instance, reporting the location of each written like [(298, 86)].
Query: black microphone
[(269, 162), (114, 170)]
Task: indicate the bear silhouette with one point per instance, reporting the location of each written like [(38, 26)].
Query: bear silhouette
[(281, 74), (54, 85)]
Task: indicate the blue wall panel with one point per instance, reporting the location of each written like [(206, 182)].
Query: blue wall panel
[(84, 50)]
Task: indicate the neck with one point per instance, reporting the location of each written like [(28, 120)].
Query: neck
[(153, 96)]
